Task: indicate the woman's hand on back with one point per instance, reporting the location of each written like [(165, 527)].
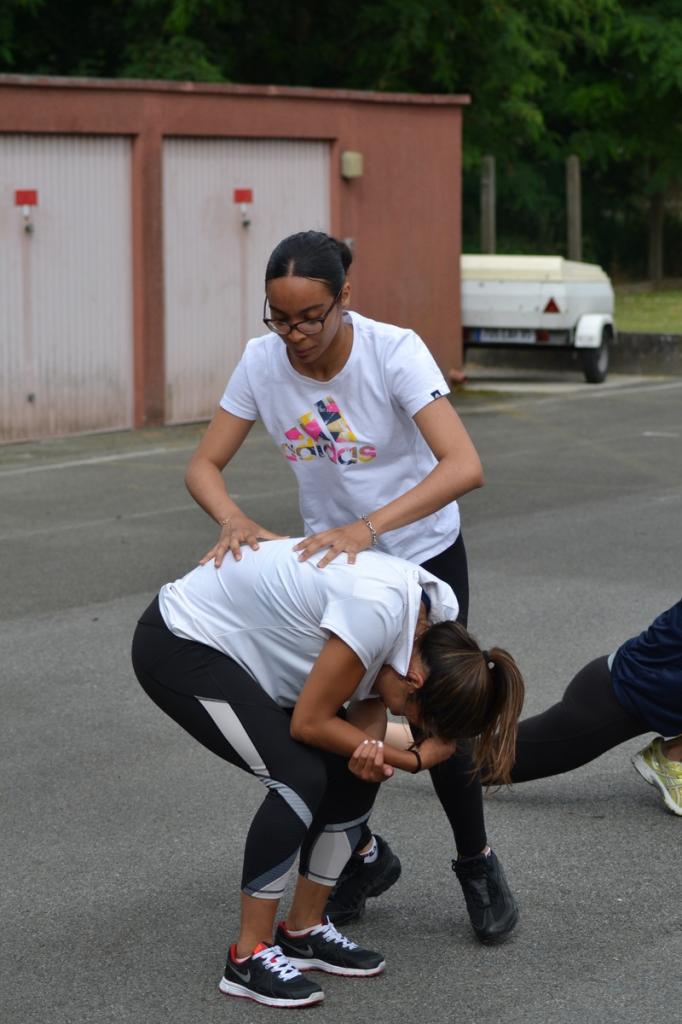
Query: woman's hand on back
[(350, 539), (237, 531)]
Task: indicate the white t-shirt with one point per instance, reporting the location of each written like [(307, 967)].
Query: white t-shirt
[(273, 614), (351, 440)]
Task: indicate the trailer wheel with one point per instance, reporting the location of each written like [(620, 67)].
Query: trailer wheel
[(596, 360)]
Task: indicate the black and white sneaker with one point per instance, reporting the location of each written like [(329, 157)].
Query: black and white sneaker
[(492, 908), (360, 880), (268, 977), (322, 948)]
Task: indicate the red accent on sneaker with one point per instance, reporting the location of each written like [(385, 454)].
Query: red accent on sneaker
[(242, 959)]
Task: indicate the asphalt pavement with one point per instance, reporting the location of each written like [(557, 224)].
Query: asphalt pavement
[(121, 838)]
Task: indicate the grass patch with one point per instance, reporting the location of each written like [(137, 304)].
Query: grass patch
[(649, 312)]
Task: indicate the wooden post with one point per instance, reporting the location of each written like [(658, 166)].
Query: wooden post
[(574, 229), (149, 345), (488, 228), (656, 222)]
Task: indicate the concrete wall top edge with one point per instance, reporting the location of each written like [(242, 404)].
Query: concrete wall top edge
[(230, 89)]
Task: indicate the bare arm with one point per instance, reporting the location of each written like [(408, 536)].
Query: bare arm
[(204, 480), (458, 471), (370, 716), (315, 721), (398, 735)]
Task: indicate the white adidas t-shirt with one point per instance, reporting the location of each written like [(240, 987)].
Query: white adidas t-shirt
[(351, 440), (273, 614)]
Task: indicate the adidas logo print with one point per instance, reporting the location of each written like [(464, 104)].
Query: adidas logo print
[(325, 434)]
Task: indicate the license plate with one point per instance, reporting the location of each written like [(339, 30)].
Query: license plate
[(503, 334)]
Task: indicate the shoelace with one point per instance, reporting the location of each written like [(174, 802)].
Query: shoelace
[(274, 960), (330, 934)]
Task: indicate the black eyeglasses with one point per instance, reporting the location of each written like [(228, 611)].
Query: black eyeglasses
[(312, 326)]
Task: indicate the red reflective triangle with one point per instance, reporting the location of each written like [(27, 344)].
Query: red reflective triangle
[(551, 307)]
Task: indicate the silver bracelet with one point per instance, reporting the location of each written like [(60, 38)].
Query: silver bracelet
[(370, 526)]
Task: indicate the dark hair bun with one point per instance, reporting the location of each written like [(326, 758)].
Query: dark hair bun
[(312, 254), (345, 253)]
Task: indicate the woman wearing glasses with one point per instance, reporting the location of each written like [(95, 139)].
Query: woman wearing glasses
[(358, 409)]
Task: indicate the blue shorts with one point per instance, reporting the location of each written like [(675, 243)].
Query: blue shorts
[(647, 673)]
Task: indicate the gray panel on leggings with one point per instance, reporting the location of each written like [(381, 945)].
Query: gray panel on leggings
[(344, 826), (270, 885), (234, 732), (297, 805), (331, 850), (236, 735), (328, 857)]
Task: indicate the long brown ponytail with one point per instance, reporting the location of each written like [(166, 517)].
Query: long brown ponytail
[(471, 694)]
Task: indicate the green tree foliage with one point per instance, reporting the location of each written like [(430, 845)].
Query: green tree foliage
[(622, 112), (601, 78)]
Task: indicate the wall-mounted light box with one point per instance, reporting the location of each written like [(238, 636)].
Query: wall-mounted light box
[(351, 164)]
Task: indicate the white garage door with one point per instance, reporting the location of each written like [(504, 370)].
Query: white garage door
[(214, 265), (65, 286)]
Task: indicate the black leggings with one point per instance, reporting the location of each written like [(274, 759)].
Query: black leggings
[(457, 786), (314, 803), (586, 722)]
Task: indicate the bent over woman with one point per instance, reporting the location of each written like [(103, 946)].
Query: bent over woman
[(358, 409), (256, 660)]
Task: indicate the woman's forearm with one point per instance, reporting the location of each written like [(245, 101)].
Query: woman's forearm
[(458, 469), (204, 480), (206, 484), (445, 483), (342, 737)]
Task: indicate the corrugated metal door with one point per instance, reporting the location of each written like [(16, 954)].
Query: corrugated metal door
[(65, 286), (214, 265)]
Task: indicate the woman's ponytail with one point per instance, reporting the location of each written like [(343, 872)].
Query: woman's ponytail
[(494, 750), (471, 693)]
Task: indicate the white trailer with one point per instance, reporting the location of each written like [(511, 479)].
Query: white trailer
[(539, 302)]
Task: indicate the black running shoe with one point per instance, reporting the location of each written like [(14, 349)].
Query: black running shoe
[(325, 949), (267, 976), (358, 881), (492, 908)]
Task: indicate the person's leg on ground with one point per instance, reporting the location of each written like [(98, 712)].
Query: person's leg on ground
[(586, 722)]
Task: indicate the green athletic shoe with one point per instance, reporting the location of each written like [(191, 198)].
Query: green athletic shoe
[(660, 771)]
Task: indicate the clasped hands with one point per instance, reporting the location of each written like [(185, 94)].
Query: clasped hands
[(367, 760)]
